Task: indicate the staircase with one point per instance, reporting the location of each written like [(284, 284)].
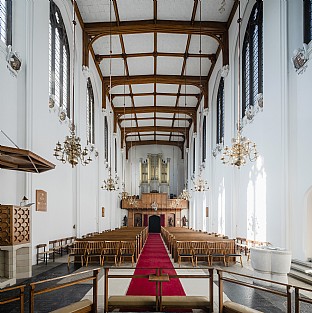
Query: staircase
[(301, 270)]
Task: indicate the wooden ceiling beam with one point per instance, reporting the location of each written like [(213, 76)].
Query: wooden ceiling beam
[(150, 26), (151, 118), (156, 79), (167, 129), (100, 57), (156, 134), (144, 94), (160, 109)]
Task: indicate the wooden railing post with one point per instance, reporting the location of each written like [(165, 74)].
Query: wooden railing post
[(210, 270), (297, 305), (106, 290), (220, 291), (95, 290), (22, 298), (32, 299), (289, 291)]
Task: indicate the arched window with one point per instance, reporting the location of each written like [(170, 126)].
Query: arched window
[(204, 145), (194, 155), (252, 58), (6, 21), (105, 139), (59, 60), (307, 17), (220, 112), (90, 112)]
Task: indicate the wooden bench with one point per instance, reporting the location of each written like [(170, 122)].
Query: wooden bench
[(185, 302), (131, 302), (233, 307), (83, 306)]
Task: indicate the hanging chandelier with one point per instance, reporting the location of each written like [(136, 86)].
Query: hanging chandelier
[(71, 150), (111, 183), (242, 148), (185, 195), (199, 184)]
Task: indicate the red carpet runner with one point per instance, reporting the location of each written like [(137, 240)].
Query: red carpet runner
[(154, 255)]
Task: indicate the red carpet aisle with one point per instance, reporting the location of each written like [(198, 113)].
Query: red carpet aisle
[(154, 255)]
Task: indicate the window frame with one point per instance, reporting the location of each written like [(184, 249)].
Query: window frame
[(204, 138), (54, 26), (307, 21), (252, 58), (8, 24), (90, 112), (105, 139), (220, 113)]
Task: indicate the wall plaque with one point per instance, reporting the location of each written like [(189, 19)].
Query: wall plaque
[(41, 200)]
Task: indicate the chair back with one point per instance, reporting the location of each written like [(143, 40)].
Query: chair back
[(127, 247), (95, 247), (184, 247), (111, 247)]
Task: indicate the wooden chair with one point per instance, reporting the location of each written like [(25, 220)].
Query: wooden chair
[(185, 250), (219, 251), (78, 250), (43, 254), (55, 245), (94, 249), (111, 249), (127, 249), (200, 250), (234, 254)]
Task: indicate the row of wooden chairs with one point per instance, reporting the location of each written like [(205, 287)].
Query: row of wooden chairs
[(209, 250), (243, 245), (103, 250), (55, 247)]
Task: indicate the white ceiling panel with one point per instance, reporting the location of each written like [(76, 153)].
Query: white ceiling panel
[(175, 9), (189, 89), (176, 138), (162, 133), (193, 66), (135, 10), (165, 101), (190, 101), (181, 123), (102, 45), (148, 137), (117, 67), (143, 101), (119, 101), (176, 134), (171, 42), (208, 44), (146, 122), (215, 10), (133, 138), (120, 89), (171, 88), (163, 123), (95, 10), (169, 115), (140, 66), (145, 115), (162, 138), (169, 66), (129, 116), (141, 88), (139, 43), (127, 123)]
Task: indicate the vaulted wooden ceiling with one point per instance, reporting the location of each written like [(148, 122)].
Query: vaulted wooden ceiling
[(155, 58)]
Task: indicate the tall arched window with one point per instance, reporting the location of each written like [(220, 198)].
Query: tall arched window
[(307, 17), (105, 139), (252, 58), (90, 111), (6, 21), (194, 155), (204, 136), (59, 60), (220, 112)]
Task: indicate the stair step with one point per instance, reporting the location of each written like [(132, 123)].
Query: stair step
[(300, 276), (302, 269), (302, 263)]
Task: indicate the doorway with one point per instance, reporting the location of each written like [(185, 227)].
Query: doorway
[(154, 224)]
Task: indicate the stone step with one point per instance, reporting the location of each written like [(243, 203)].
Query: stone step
[(302, 269), (300, 276), (302, 263)]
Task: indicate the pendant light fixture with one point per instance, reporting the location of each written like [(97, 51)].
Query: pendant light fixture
[(71, 150), (242, 148), (112, 182), (200, 184)]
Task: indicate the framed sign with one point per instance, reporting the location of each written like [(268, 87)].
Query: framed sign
[(41, 200)]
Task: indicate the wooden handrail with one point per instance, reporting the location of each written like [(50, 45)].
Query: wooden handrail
[(299, 299), (286, 294), (20, 297), (94, 278)]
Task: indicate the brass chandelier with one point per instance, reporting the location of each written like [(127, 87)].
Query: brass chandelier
[(112, 182), (242, 148), (71, 150), (200, 184)]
